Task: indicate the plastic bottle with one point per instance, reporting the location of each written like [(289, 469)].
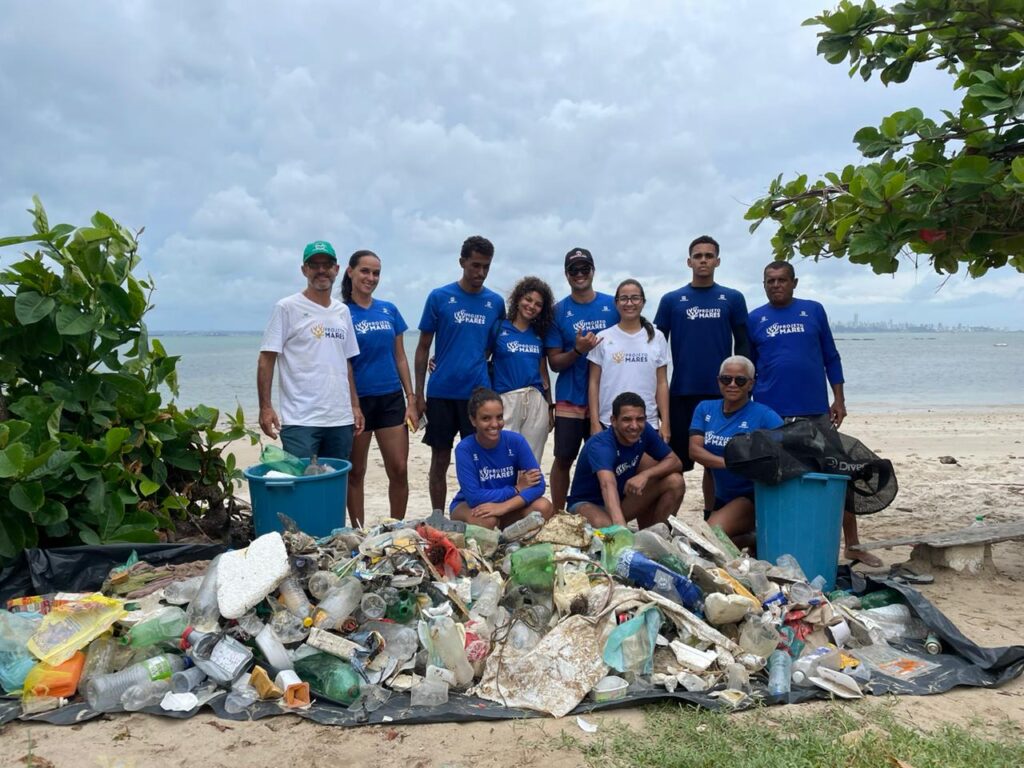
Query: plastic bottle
[(779, 668), (203, 612), (533, 566), (289, 628), (99, 658), (447, 646), (881, 597), (404, 609), (329, 676), (614, 539), (373, 606), (487, 539), (523, 528), (487, 603), (103, 692), (790, 564), (322, 582), (737, 677), (400, 641), (758, 637), (187, 680), (646, 573), (145, 694), (165, 626), (897, 622), (293, 597), (272, 649), (241, 697), (182, 592), (807, 665), (340, 603), (221, 657)]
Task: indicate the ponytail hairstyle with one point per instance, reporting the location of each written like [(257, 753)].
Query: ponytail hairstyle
[(643, 320), (480, 396), (346, 281)]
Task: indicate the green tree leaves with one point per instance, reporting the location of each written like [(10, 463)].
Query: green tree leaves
[(88, 450), (950, 191)]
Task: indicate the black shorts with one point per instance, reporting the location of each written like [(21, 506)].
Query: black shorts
[(445, 418), (719, 503), (681, 408), (570, 434), (382, 411)]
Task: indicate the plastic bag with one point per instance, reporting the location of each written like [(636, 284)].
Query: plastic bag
[(70, 627), (15, 660), (630, 646), (279, 459)]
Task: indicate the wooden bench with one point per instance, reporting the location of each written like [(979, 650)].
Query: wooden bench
[(968, 549)]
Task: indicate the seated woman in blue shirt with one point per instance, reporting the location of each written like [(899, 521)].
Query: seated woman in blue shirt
[(715, 423), (499, 478)]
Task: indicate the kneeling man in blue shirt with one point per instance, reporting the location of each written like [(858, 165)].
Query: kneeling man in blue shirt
[(627, 471)]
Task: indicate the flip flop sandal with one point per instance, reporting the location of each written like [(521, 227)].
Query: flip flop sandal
[(907, 576), (871, 561)]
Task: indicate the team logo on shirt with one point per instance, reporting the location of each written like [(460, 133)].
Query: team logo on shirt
[(496, 473), (629, 357), (488, 304), (320, 331), (583, 326), (721, 297), (451, 299), (743, 425), (385, 310), (803, 313), (763, 319), (365, 326), (518, 346), (684, 297), (778, 329), (317, 329), (626, 465), (720, 441), (568, 313), (605, 309), (707, 417), (701, 313), (462, 316)]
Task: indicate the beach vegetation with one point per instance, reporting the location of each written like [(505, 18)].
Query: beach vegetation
[(89, 451), (945, 190)]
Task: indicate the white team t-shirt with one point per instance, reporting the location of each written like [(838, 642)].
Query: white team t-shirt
[(313, 345), (629, 363)]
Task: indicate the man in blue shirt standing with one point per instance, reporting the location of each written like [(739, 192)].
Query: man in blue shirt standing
[(578, 319), (461, 317), (627, 471), (704, 323), (793, 349)]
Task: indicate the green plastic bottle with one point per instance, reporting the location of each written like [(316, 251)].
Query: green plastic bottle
[(616, 538), (403, 610), (164, 627), (881, 597), (329, 676), (534, 566)]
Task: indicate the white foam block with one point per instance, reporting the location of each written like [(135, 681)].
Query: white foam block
[(246, 576)]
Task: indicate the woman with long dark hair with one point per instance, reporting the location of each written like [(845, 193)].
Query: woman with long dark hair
[(631, 356), (520, 370), (382, 378)]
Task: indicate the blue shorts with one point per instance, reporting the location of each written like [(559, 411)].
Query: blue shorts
[(322, 442), (574, 508)]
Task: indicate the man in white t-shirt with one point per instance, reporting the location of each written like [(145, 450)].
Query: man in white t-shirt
[(312, 335)]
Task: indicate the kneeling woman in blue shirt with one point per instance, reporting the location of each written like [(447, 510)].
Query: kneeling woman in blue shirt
[(499, 478), (715, 423)]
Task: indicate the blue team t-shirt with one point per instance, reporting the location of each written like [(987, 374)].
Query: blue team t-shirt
[(718, 428), (462, 324), (571, 318), (604, 451), (490, 474), (794, 351), (699, 324), (516, 356), (375, 369)]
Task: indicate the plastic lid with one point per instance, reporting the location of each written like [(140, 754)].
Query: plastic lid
[(185, 644)]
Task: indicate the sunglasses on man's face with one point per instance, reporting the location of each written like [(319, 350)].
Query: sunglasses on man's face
[(741, 381), (578, 271)]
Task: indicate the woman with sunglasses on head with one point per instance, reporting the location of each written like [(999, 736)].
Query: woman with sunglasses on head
[(382, 375), (631, 356), (520, 369), (715, 423)]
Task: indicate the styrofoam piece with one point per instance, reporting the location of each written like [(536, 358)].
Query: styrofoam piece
[(691, 658), (247, 576)]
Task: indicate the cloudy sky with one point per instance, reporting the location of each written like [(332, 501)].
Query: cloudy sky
[(237, 132)]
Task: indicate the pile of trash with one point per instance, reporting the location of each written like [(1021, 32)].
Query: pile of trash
[(539, 616)]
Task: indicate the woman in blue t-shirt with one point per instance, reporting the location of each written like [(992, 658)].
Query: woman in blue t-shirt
[(520, 370), (715, 423), (382, 376), (499, 478)]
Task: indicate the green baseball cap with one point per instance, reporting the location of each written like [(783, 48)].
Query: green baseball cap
[(318, 246)]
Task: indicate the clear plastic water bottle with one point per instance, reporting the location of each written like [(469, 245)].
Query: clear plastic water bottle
[(99, 658), (373, 606), (104, 692), (322, 582), (182, 592), (203, 612), (487, 603), (523, 528), (447, 647), (293, 597), (145, 694), (340, 603), (187, 680), (780, 665)]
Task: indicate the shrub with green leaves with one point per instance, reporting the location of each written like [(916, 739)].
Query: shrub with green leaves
[(89, 452)]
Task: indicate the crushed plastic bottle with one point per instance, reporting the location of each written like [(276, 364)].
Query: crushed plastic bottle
[(148, 693), (104, 692), (221, 657), (522, 528), (340, 603), (164, 627), (204, 612)]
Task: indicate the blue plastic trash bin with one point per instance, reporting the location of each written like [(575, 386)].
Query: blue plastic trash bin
[(316, 503), (802, 517)]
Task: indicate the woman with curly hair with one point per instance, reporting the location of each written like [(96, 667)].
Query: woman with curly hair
[(520, 370)]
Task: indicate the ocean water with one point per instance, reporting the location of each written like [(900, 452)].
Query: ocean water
[(884, 371)]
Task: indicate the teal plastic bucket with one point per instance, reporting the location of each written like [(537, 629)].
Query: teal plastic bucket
[(316, 503), (802, 517)]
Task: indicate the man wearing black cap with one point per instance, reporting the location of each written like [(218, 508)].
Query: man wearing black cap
[(312, 334), (578, 318)]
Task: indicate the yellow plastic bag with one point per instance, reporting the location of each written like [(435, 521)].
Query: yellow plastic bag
[(71, 626)]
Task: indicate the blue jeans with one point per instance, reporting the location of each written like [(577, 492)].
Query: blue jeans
[(322, 442)]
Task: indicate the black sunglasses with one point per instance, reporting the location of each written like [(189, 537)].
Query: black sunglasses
[(577, 271), (741, 381)]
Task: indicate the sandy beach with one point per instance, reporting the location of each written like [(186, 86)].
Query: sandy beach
[(987, 479)]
